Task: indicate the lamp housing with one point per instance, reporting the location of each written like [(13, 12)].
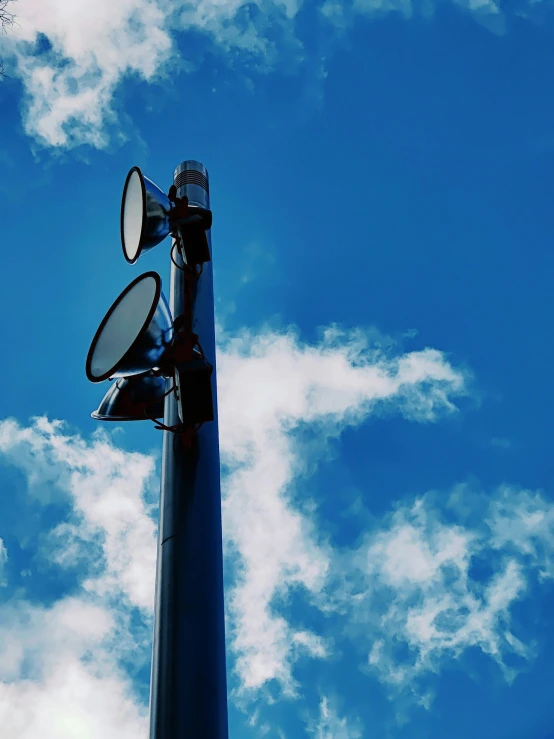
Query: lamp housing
[(145, 215), (192, 231), (134, 398), (193, 387), (135, 334)]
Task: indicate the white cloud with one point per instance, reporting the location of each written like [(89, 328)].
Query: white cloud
[(92, 47), (59, 674), (106, 488), (410, 593), (417, 597), (486, 12), (522, 524), (3, 561), (270, 385), (330, 725), (72, 55)]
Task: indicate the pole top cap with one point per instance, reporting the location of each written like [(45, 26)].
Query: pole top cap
[(191, 180)]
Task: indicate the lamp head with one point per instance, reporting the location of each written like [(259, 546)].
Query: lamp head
[(145, 212), (134, 335), (135, 398)]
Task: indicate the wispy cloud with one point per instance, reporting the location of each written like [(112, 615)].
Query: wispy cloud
[(486, 12), (65, 668), (440, 577), (330, 725), (437, 576), (72, 55), (106, 489), (271, 385), (60, 675), (3, 561)]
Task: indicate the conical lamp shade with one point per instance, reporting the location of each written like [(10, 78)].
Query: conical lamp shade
[(133, 399), (135, 333), (144, 215)]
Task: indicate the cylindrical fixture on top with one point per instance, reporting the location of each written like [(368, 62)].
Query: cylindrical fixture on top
[(191, 179)]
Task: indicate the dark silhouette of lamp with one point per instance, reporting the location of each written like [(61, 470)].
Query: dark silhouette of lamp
[(135, 334), (135, 398), (145, 210)]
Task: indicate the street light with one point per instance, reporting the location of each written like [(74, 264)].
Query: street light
[(166, 353)]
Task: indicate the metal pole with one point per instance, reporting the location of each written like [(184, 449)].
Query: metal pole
[(188, 694)]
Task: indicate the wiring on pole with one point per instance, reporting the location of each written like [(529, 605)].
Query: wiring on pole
[(185, 341)]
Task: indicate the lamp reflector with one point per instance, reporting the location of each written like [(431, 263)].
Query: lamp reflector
[(144, 215), (134, 398), (135, 333)]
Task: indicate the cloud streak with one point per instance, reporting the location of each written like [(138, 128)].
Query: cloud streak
[(271, 386), (60, 675), (3, 561), (330, 725), (73, 55), (66, 669), (106, 489), (441, 577), (432, 579)]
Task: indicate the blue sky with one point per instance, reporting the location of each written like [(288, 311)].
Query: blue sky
[(381, 187)]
